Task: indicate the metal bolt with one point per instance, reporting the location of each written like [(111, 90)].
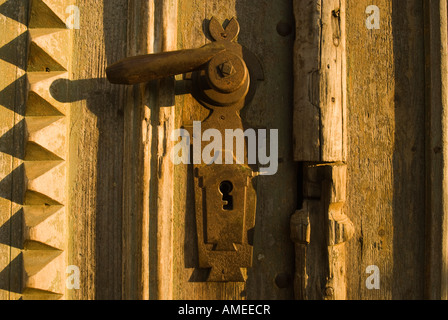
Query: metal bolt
[(283, 280), (329, 292), (284, 28), (226, 69)]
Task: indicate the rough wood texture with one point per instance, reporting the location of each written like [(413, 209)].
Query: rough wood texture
[(301, 236), (320, 136), (148, 170), (96, 150), (137, 144), (385, 141), (386, 163), (162, 168), (320, 230), (436, 36), (320, 81), (339, 230)]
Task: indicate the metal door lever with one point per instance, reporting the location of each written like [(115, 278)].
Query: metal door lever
[(150, 67), (224, 72)]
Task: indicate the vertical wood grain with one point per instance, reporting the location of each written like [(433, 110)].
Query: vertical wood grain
[(167, 41), (96, 150), (135, 172), (436, 37), (320, 136), (320, 81), (386, 165)]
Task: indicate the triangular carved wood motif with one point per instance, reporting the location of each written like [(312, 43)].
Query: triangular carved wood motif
[(40, 61), (41, 16)]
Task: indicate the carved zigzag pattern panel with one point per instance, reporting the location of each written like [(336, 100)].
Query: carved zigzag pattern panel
[(45, 155)]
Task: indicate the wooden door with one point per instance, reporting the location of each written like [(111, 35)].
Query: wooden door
[(126, 213), (93, 207)]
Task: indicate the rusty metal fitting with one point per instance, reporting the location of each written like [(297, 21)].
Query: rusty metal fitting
[(226, 72)]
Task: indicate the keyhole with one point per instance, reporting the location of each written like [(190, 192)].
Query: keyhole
[(226, 188)]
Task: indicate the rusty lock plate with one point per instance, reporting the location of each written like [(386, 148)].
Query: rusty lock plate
[(224, 77)]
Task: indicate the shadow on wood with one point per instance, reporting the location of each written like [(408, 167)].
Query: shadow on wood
[(409, 151), (12, 187), (13, 9), (10, 277), (11, 97), (14, 224)]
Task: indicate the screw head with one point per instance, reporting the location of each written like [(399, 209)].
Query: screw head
[(226, 73), (283, 280), (226, 69)]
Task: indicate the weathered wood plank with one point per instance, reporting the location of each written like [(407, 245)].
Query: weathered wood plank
[(96, 150), (436, 286), (332, 86), (320, 82), (306, 81), (163, 171), (320, 231), (136, 171), (386, 165)]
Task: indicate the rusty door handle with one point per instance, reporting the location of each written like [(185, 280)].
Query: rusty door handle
[(150, 67), (224, 72)]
